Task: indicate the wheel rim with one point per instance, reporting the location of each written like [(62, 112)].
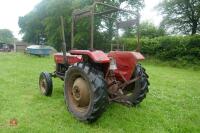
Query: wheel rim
[(43, 85), (80, 94)]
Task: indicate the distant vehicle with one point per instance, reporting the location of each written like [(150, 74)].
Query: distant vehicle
[(39, 50), (5, 48)]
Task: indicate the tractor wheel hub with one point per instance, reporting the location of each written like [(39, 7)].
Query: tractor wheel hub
[(81, 93), (43, 85)]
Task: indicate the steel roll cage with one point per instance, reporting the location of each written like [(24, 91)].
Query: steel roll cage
[(91, 13)]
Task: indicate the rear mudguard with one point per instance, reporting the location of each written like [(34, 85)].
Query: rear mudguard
[(126, 63), (97, 56)]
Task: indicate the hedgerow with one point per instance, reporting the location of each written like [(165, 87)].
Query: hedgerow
[(180, 48)]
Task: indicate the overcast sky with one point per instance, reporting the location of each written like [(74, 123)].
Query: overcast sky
[(10, 10)]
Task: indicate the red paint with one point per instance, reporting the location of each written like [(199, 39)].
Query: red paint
[(97, 56), (72, 59), (13, 122), (126, 63), (138, 56)]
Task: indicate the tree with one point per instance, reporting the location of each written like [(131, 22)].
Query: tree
[(182, 16), (6, 36), (147, 29), (44, 22)]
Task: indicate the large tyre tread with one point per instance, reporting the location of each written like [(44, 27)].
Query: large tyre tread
[(100, 100), (144, 83)]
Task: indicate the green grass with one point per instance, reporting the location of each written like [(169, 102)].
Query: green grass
[(172, 104)]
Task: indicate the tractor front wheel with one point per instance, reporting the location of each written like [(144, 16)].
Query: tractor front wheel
[(45, 84), (85, 92)]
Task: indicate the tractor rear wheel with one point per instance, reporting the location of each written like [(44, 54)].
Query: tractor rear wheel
[(138, 89), (85, 92), (45, 84)]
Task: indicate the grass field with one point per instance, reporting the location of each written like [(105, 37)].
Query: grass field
[(172, 105)]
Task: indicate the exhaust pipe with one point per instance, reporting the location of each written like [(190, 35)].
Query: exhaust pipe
[(64, 43)]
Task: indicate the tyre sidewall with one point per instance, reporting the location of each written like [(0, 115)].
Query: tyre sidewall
[(140, 86), (81, 116), (47, 77)]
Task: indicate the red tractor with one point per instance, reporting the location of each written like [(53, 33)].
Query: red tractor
[(92, 78)]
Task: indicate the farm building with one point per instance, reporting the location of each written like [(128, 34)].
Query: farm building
[(20, 46)]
